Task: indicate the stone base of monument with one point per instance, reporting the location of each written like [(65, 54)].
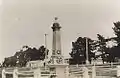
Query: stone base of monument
[(60, 70)]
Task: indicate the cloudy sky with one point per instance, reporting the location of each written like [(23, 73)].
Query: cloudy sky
[(24, 22)]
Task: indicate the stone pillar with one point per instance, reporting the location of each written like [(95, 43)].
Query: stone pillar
[(56, 45), (15, 73), (93, 72), (37, 73), (118, 71), (85, 73), (3, 73)]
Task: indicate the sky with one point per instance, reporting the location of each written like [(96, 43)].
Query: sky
[(24, 22)]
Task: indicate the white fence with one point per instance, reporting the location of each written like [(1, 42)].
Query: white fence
[(25, 73), (72, 71), (95, 71)]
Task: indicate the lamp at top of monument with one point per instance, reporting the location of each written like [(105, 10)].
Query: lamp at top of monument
[(56, 25), (56, 18)]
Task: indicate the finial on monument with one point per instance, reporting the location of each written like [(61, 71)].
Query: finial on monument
[(55, 19)]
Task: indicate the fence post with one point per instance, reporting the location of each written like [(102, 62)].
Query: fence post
[(15, 73), (67, 72), (93, 72), (118, 71), (85, 73), (37, 73), (3, 73)]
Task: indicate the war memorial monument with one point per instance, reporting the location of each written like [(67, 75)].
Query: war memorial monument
[(58, 67)]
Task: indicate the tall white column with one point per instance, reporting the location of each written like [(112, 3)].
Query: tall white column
[(87, 62), (46, 56), (3, 73), (15, 73)]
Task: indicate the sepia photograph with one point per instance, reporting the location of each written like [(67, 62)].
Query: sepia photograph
[(59, 38)]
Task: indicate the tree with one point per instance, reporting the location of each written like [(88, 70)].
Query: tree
[(9, 62), (106, 54), (115, 50), (116, 30), (109, 54), (102, 46), (25, 55), (91, 49), (0, 65), (78, 54)]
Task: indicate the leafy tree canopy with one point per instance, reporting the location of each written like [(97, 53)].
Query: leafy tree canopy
[(23, 56), (78, 53)]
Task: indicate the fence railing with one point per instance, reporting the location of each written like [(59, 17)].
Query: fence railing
[(71, 71)]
